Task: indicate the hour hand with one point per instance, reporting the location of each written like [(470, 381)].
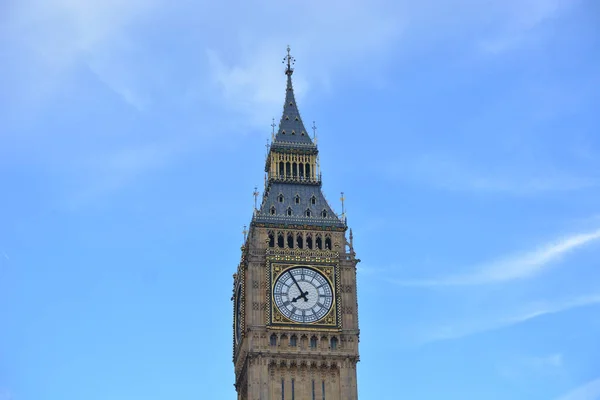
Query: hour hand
[(302, 295)]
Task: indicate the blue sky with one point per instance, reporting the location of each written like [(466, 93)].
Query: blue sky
[(464, 134)]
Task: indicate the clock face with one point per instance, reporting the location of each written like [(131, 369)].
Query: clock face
[(303, 294), (238, 323)]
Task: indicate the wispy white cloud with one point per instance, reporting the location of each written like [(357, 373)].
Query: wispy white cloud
[(238, 70), (527, 313), (380, 30), (555, 360), (101, 34), (523, 17), (528, 366), (109, 172), (587, 391), (521, 178), (58, 34), (517, 267), (252, 83)]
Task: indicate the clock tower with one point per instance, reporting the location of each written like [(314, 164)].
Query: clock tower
[(295, 328)]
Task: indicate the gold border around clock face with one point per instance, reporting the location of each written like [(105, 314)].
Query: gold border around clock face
[(331, 320), (303, 294)]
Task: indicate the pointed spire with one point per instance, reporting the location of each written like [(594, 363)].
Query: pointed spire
[(291, 127)]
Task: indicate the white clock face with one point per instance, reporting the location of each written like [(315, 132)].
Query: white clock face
[(303, 295)]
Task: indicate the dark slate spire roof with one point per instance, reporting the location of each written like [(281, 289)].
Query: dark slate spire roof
[(294, 202), (297, 200), (291, 128)]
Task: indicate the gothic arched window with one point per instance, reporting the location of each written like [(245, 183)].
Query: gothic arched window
[(297, 199), (303, 341), (271, 239), (313, 200), (313, 342), (309, 241), (324, 213), (272, 210), (307, 212), (273, 340), (319, 242), (280, 240), (290, 241), (280, 198), (289, 211), (293, 341), (299, 241), (334, 343), (327, 243)]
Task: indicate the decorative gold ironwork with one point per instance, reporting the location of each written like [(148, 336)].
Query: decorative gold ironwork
[(302, 255)]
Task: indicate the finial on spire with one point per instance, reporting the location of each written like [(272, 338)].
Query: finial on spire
[(314, 128), (255, 196), (267, 147), (245, 232), (290, 62), (273, 129), (343, 198)]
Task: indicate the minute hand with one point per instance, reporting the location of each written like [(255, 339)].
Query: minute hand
[(302, 294)]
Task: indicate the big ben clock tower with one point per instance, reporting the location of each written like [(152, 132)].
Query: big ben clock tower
[(294, 295)]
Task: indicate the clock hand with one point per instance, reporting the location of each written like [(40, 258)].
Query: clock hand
[(302, 294)]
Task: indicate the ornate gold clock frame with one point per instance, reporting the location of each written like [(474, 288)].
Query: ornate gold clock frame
[(276, 266)]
